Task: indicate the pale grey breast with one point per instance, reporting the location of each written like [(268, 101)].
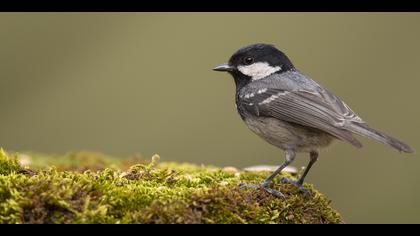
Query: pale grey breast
[(288, 136)]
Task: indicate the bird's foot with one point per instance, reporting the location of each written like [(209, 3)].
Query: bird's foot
[(265, 187), (306, 193)]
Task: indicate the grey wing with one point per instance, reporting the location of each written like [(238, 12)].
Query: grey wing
[(317, 109)]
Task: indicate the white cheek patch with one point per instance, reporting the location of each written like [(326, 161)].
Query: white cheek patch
[(258, 70)]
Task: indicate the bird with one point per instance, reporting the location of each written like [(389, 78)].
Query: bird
[(289, 110)]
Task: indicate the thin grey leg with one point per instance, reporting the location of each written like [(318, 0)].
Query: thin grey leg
[(290, 156), (313, 157)]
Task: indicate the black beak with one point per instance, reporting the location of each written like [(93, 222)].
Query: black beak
[(224, 67)]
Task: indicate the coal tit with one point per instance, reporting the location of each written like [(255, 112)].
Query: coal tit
[(291, 111)]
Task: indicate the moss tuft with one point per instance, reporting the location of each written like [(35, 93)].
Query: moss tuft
[(147, 192), (8, 164)]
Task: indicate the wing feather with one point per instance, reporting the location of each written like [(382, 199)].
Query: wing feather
[(317, 109)]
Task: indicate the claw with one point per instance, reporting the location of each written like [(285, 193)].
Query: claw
[(306, 193), (264, 186), (244, 185), (274, 192), (285, 180)]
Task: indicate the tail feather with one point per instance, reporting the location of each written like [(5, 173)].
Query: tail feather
[(364, 130)]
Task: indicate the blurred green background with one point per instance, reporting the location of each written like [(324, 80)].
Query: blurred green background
[(124, 83)]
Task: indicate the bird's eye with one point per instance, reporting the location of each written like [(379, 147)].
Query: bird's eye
[(248, 60)]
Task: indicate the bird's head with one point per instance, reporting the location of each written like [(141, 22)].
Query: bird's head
[(255, 62)]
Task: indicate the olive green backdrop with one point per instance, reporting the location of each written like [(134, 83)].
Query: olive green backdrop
[(124, 83)]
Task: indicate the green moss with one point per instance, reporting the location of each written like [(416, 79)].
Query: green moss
[(147, 192), (8, 164)]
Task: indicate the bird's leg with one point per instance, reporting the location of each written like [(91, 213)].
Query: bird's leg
[(290, 156), (313, 156)]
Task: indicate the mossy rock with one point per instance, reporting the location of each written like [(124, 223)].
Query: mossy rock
[(148, 192)]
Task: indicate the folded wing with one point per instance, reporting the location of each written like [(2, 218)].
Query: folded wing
[(317, 109)]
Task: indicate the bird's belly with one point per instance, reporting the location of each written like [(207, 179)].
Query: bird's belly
[(288, 136)]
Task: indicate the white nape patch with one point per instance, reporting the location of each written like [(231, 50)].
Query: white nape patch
[(258, 70), (272, 98)]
